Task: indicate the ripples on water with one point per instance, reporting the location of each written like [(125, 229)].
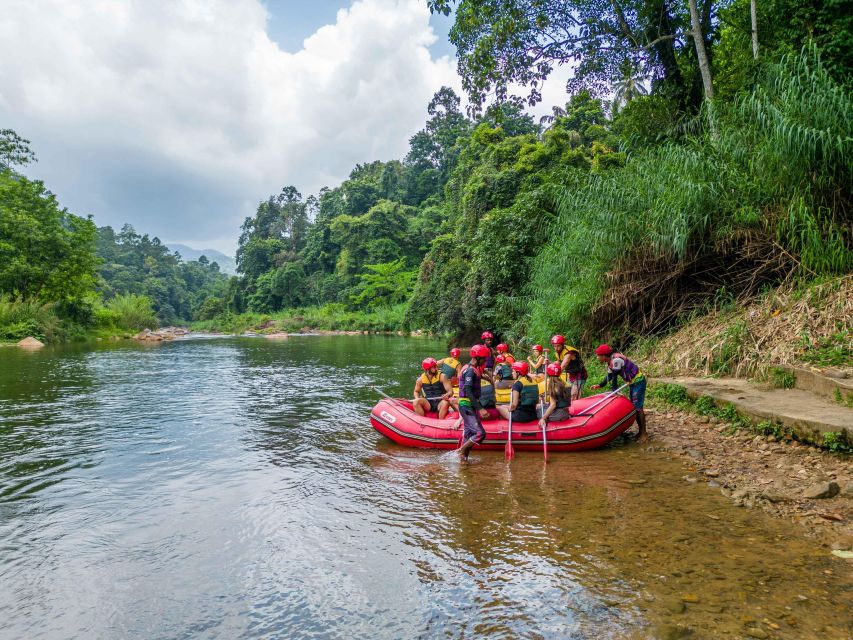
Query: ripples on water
[(234, 488)]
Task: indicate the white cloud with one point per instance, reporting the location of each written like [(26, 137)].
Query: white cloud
[(179, 115)]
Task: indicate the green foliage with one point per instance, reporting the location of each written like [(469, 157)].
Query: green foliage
[(128, 312), (501, 44), (22, 318), (46, 252), (778, 174), (782, 379), (836, 350), (384, 284), (140, 265), (329, 317), (669, 394), (837, 443), (14, 150)]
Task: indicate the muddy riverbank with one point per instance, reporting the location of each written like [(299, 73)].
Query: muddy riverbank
[(811, 487)]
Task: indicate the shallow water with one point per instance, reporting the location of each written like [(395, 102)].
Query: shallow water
[(235, 488)]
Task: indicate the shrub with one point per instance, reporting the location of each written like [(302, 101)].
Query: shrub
[(22, 318), (130, 312)]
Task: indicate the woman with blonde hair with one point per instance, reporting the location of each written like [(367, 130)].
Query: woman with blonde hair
[(560, 395)]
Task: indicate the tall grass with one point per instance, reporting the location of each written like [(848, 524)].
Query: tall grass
[(22, 318), (130, 312), (773, 186)]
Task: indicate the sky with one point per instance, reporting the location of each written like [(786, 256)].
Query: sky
[(179, 116)]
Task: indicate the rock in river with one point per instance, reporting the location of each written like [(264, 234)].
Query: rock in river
[(821, 490), (30, 343)]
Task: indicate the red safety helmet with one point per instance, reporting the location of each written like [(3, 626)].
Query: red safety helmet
[(500, 358), (603, 350), (502, 348), (537, 347), (428, 364), (487, 335), (480, 351), (455, 352), (521, 367), (558, 339), (554, 369)]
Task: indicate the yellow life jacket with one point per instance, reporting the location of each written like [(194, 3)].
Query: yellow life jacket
[(432, 387), (448, 366)]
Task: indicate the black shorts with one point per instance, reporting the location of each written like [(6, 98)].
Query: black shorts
[(433, 405), (473, 428), (525, 414)]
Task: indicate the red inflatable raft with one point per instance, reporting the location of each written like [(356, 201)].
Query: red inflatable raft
[(595, 421)]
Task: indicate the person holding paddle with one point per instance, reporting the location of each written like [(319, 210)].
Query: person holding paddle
[(470, 409), (525, 395), (620, 366), (436, 391)]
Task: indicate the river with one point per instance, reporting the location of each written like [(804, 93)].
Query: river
[(234, 488)]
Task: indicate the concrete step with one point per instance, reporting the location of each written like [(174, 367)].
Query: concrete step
[(829, 383), (807, 414)]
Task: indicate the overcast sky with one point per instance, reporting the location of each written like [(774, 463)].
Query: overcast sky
[(179, 116)]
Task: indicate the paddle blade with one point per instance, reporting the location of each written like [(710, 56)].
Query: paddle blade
[(509, 452)]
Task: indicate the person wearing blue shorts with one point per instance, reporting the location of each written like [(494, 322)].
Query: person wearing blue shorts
[(620, 366)]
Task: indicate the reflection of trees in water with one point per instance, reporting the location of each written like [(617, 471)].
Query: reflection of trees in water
[(45, 398)]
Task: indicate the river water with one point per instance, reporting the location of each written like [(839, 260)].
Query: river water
[(234, 488)]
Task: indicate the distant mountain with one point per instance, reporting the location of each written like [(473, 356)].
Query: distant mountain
[(227, 264)]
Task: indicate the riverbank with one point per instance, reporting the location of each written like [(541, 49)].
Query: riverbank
[(785, 478), (334, 318)]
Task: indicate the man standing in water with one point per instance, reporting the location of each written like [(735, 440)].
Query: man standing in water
[(620, 366), (470, 409)]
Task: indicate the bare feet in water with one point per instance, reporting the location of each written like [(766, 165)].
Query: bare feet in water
[(642, 438)]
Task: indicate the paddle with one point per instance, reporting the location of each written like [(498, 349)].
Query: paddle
[(544, 429), (509, 452)]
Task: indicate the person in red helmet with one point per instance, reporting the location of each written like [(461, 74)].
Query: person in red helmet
[(470, 410), (525, 395), (488, 339), (560, 394), (572, 364), (502, 373), (560, 351), (620, 366), (449, 367), (436, 393), (537, 361)]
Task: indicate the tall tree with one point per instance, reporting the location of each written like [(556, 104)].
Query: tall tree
[(504, 42)]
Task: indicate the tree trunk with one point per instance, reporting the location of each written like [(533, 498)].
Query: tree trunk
[(664, 50), (701, 52), (753, 14)]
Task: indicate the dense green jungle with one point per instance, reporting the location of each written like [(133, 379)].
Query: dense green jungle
[(701, 157)]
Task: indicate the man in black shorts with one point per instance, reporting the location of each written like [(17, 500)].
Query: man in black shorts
[(436, 392), (470, 409)]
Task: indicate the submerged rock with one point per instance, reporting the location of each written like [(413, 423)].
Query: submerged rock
[(31, 343)]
